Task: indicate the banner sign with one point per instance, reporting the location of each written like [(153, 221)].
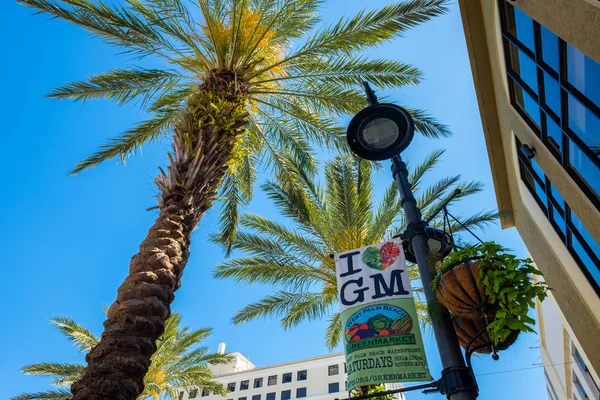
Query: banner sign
[(382, 339)]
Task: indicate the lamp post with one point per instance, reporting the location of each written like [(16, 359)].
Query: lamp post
[(381, 132)]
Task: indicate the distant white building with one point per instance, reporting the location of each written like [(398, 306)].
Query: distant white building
[(567, 369), (317, 378)]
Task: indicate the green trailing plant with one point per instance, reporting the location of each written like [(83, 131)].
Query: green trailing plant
[(508, 283), (373, 389)]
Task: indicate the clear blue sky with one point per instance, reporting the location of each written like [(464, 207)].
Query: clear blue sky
[(68, 240)]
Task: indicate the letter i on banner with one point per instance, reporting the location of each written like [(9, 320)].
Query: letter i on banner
[(382, 338)]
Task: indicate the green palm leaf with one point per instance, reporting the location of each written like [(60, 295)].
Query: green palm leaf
[(336, 215)]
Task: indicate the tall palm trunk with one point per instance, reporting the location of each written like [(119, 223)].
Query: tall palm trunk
[(204, 143)]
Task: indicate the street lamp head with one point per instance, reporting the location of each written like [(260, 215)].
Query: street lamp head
[(380, 132)]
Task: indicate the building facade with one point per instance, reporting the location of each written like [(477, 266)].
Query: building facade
[(566, 371), (536, 70), (317, 378)]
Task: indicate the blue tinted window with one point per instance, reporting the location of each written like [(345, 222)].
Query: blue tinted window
[(583, 122), (537, 169), (585, 258), (524, 67), (586, 235), (270, 396), (585, 167), (524, 25), (334, 387), (552, 93), (531, 107), (557, 197), (541, 194), (550, 48), (286, 395), (559, 221), (584, 74), (300, 392), (554, 134)]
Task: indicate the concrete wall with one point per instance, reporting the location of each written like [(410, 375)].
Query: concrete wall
[(578, 22)]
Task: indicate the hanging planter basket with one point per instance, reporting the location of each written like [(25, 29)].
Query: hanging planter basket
[(466, 329), (459, 291)]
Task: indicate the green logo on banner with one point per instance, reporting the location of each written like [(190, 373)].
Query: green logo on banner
[(378, 325)]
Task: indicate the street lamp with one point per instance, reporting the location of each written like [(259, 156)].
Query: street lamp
[(381, 132)]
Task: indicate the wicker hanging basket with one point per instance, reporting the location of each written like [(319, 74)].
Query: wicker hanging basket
[(460, 293), (466, 329)]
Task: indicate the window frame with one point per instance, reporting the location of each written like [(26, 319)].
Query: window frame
[(245, 383), (299, 377), (285, 377), (329, 387), (258, 381), (337, 370), (305, 392), (566, 89), (270, 378), (231, 385), (288, 391), (548, 207)]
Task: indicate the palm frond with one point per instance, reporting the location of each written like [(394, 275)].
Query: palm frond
[(275, 305), (121, 85), (427, 125), (58, 394), (77, 334), (131, 140), (64, 374), (333, 334)]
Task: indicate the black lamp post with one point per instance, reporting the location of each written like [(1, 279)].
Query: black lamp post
[(381, 132)]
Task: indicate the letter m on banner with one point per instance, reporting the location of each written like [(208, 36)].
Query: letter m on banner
[(382, 339)]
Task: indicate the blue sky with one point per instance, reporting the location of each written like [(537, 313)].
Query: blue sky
[(68, 240)]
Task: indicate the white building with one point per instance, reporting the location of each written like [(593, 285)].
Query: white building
[(317, 378), (566, 367)]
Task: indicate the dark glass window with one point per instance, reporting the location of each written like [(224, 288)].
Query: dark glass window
[(193, 393), (271, 396), (584, 122), (301, 375), (286, 378), (550, 386), (272, 380), (333, 370), (258, 382), (584, 167), (334, 387), (231, 387), (300, 392), (520, 26), (582, 246), (522, 65), (242, 398), (556, 89), (552, 94), (286, 394), (205, 393), (526, 103), (554, 136), (256, 397), (550, 49), (579, 387), (584, 74), (244, 385)]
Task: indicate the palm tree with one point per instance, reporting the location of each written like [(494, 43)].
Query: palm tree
[(294, 255), (179, 363), (241, 79)]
